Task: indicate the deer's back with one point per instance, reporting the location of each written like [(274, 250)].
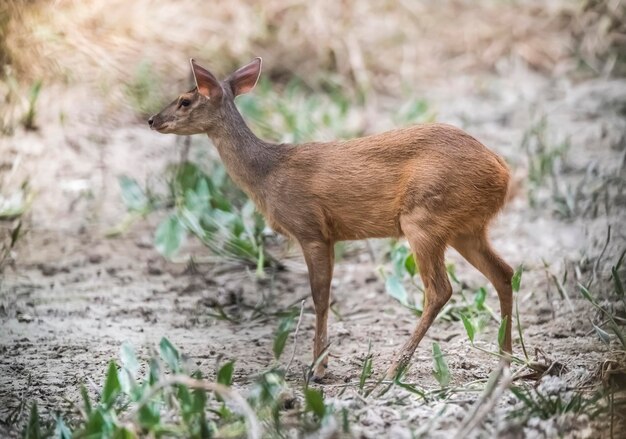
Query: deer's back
[(358, 188)]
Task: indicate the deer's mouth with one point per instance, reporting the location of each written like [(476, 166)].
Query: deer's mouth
[(162, 127)]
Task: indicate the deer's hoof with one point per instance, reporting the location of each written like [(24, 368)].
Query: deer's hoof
[(318, 379)]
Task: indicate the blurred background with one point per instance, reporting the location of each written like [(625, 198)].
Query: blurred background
[(84, 75), (94, 207)]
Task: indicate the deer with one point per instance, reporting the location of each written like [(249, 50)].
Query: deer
[(433, 184)]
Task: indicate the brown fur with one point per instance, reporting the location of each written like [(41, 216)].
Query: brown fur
[(432, 183)]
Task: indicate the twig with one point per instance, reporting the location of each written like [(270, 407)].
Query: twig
[(488, 400), (254, 429), (295, 337)]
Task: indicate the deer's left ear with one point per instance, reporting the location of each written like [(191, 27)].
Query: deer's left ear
[(245, 78), (206, 83)]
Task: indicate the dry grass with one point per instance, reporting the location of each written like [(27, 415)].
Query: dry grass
[(600, 32), (384, 45)]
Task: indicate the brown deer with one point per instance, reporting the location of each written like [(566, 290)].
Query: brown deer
[(432, 183)]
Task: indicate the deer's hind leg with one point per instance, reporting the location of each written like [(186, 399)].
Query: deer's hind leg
[(428, 247), (475, 248)]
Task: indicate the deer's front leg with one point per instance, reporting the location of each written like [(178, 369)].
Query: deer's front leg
[(319, 256)]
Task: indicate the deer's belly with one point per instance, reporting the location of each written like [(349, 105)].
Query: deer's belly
[(352, 222)]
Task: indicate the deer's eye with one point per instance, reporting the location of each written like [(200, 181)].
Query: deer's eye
[(185, 103)]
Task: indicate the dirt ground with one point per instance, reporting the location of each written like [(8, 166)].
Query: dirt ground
[(74, 296)]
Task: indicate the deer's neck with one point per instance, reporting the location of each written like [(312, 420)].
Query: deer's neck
[(248, 159)]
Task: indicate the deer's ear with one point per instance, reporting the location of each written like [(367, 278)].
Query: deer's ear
[(245, 78), (206, 83)]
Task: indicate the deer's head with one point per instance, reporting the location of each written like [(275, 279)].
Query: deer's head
[(205, 107)]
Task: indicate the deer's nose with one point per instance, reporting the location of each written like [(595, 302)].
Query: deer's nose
[(151, 121)]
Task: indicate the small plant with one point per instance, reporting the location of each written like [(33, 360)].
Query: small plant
[(546, 162), (298, 115), (611, 319), (12, 208), (285, 327), (547, 403), (366, 370), (17, 106), (199, 204), (28, 120), (170, 402), (441, 372)]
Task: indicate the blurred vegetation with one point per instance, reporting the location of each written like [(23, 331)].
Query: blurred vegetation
[(329, 43), (204, 204), (13, 207), (600, 35), (143, 91)]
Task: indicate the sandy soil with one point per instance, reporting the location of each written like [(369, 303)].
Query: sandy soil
[(75, 296)]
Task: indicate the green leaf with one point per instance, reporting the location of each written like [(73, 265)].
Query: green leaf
[(281, 336), (123, 433), (187, 177), (345, 421), (132, 194), (479, 298), (399, 254), (366, 370), (149, 415), (33, 429), (95, 426), (604, 336), (129, 358), (469, 328), (154, 371), (516, 281), (519, 329), (395, 289), (185, 399), (192, 223), (410, 265), (130, 368), (111, 385), (86, 400), (60, 429), (202, 190), (586, 294), (440, 370), (225, 374), (169, 236), (502, 332), (169, 354), (15, 233), (315, 402), (411, 388), (199, 400)]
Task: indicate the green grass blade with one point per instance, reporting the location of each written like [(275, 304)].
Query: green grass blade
[(469, 327), (169, 354), (516, 281), (225, 374), (314, 401), (112, 385), (441, 372), (33, 428)]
